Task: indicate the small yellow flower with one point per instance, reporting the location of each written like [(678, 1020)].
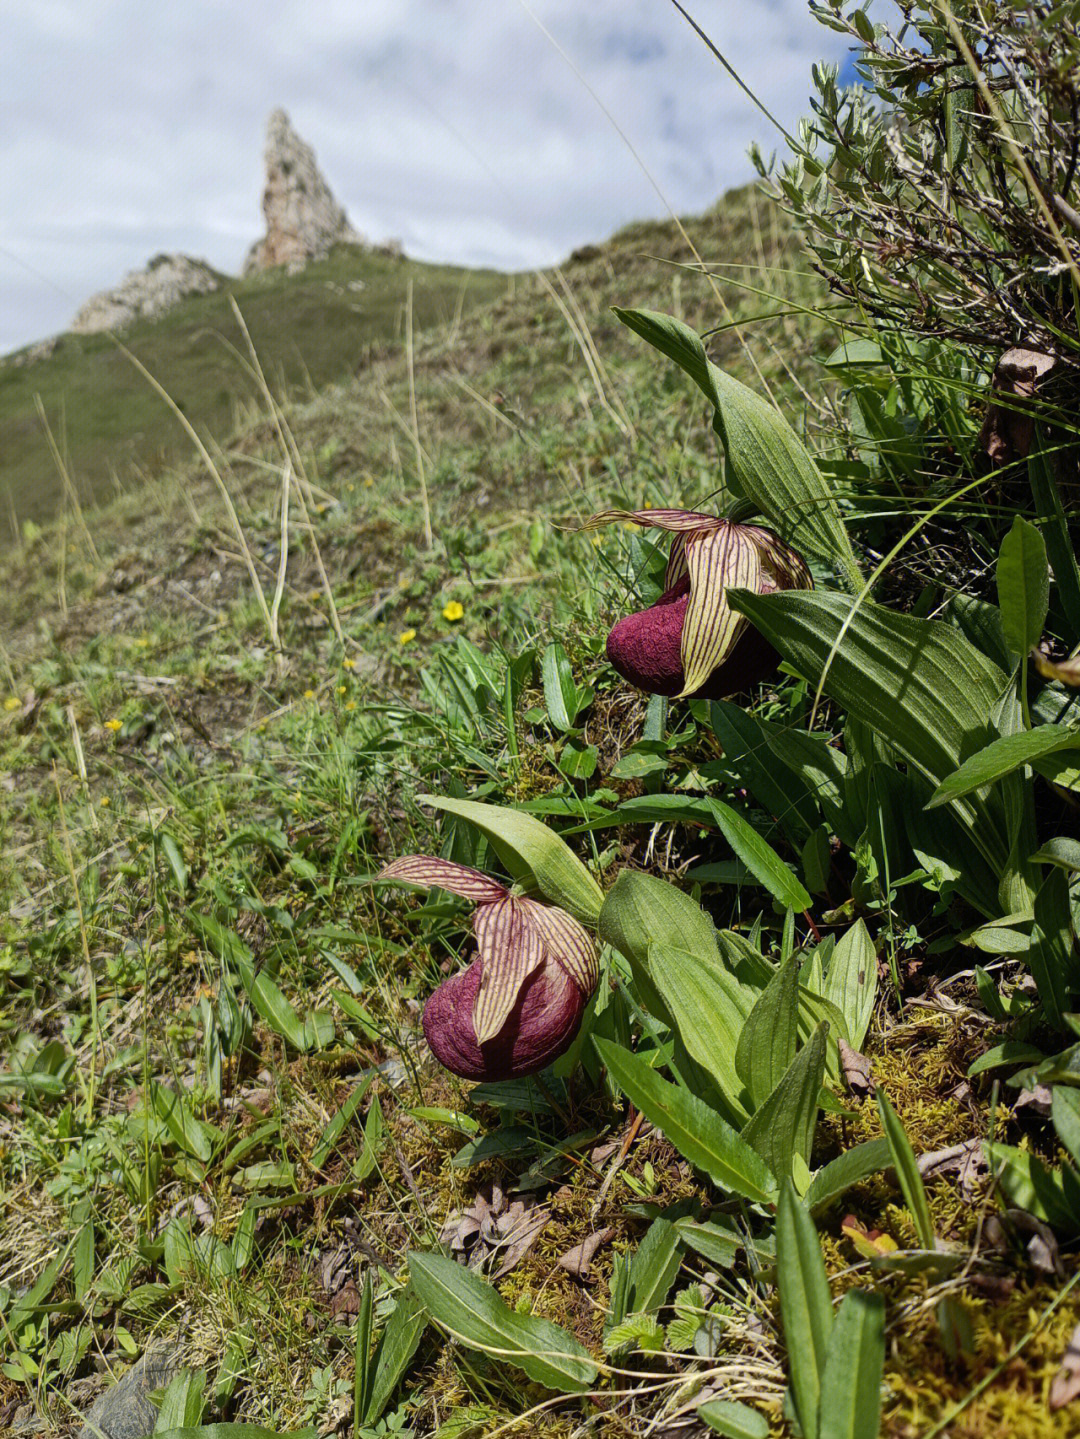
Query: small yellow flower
[(309, 694), (114, 725), (13, 702), (350, 704), (142, 642), (104, 802), (596, 541), (343, 689), (368, 483), (406, 637), (647, 505), (348, 664), (453, 611)]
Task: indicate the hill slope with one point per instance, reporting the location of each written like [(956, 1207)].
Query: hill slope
[(310, 329)]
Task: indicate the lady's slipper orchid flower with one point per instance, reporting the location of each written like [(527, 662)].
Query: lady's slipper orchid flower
[(518, 1005), (691, 642)]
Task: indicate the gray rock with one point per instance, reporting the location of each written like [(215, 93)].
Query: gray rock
[(146, 293), (125, 1411), (303, 220)]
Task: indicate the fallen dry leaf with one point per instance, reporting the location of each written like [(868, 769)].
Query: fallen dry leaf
[(967, 1161), (491, 1235), (871, 1243), (576, 1261), (855, 1068), (1065, 1385)]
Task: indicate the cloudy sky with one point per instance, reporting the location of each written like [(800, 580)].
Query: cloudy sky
[(128, 128)]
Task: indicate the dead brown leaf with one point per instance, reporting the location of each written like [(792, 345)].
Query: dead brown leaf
[(576, 1261), (855, 1068), (1065, 1385)]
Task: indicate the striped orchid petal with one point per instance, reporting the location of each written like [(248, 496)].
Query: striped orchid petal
[(567, 943), (675, 520), (510, 949), (432, 873), (715, 559)]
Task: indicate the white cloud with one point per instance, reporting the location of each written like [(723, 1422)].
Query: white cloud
[(126, 128)]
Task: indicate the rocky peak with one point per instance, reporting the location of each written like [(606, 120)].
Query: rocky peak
[(303, 220)]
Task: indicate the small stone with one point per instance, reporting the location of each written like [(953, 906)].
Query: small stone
[(125, 1411)]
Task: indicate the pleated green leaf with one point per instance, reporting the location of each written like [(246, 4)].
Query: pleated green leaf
[(709, 1008), (759, 857), (767, 462), (851, 1167)]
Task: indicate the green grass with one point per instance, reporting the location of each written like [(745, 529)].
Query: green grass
[(311, 328)]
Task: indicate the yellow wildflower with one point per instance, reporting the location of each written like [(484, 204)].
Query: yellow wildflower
[(104, 802), (13, 702), (348, 664), (350, 704), (309, 694), (406, 637), (453, 611), (343, 689), (114, 725)]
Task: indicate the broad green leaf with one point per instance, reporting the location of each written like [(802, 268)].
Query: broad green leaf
[(393, 1353), (767, 463), (1001, 757), (640, 910), (362, 1370), (916, 683), (171, 850), (1052, 956), (744, 738), (532, 853), (1023, 585), (907, 1172), (851, 1382), (560, 691), (700, 1135), (1062, 851), (192, 1135), (182, 1403), (1059, 546), (759, 857), (851, 981), (805, 1305), (1065, 1110), (783, 1126), (708, 1008), (733, 1420), (851, 1167), (476, 1314), (1009, 1052), (766, 1046), (336, 1127), (1028, 1184), (653, 1267)]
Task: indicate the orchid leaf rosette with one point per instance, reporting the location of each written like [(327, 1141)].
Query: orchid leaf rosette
[(519, 1003), (691, 642)]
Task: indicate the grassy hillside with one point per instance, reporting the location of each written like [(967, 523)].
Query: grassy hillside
[(190, 820), (310, 329)]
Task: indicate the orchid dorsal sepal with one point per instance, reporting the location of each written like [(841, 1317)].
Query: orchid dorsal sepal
[(714, 553), (514, 934)]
